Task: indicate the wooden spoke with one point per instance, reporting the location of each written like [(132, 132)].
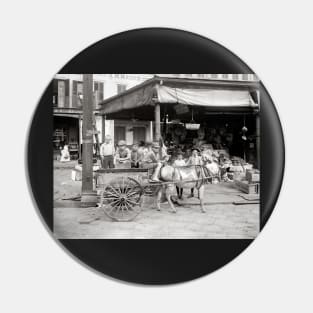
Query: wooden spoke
[(114, 191), (132, 202), (133, 193), (111, 194)]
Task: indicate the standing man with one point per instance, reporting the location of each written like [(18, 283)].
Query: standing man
[(107, 152), (195, 159)]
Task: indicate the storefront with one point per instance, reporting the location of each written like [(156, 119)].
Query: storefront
[(66, 131), (193, 112)]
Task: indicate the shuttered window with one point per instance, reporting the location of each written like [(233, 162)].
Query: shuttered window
[(98, 92), (77, 90), (119, 133), (139, 134), (60, 93)]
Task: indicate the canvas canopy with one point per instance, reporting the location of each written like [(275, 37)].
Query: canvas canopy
[(179, 91), (205, 97)]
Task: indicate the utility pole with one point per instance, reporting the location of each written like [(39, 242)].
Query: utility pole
[(88, 195)]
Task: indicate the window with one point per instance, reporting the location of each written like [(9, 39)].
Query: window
[(139, 134), (245, 76), (224, 76), (119, 133), (235, 76), (77, 90), (98, 92), (60, 93), (214, 76), (121, 88)]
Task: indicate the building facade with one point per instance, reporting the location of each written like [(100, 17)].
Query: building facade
[(67, 107)]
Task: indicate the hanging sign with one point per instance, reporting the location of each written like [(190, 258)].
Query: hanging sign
[(181, 108)]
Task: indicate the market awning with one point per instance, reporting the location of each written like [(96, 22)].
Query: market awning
[(210, 94), (205, 97), (133, 100), (67, 115)]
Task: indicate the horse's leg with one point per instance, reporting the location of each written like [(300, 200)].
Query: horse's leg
[(158, 199), (201, 197), (168, 198)]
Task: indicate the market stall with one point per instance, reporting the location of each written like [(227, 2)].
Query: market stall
[(217, 115)]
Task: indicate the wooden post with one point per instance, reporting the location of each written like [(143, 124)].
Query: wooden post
[(151, 131), (157, 118), (258, 139), (88, 196)]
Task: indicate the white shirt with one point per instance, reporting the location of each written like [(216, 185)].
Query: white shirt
[(179, 163), (107, 149)]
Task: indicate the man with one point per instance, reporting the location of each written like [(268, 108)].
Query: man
[(135, 156), (154, 160), (194, 159), (107, 152), (123, 154), (179, 162), (65, 154)]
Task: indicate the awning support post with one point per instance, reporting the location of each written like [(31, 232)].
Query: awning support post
[(258, 140), (151, 131), (157, 118)]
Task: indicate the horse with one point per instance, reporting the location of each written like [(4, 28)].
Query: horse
[(189, 176)]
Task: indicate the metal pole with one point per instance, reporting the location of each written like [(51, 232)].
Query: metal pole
[(88, 196)]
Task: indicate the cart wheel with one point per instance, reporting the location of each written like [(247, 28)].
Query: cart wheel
[(120, 199)]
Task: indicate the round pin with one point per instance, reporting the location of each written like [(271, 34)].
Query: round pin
[(155, 178)]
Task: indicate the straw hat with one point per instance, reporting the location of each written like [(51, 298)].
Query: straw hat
[(195, 148), (121, 143), (155, 145)]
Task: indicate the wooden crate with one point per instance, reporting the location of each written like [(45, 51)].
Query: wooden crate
[(252, 188)]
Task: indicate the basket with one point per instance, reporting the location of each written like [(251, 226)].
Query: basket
[(192, 126)]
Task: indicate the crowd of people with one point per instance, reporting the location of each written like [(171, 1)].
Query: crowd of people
[(153, 155)]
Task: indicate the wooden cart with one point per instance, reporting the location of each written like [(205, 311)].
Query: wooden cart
[(122, 191)]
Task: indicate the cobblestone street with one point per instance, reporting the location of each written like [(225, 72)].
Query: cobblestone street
[(223, 218)]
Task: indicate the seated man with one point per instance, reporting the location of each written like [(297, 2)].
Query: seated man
[(65, 154), (136, 156), (154, 160), (123, 154)]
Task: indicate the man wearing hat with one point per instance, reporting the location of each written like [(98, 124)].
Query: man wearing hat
[(153, 159), (123, 154), (195, 159), (107, 152)]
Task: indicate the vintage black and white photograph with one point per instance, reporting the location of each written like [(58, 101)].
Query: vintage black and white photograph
[(156, 156)]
